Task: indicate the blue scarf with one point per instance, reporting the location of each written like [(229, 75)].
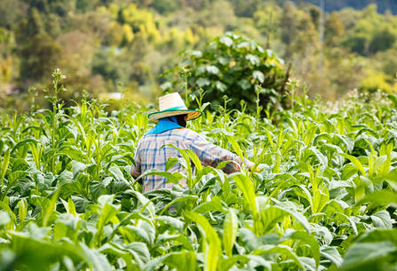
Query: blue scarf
[(165, 124)]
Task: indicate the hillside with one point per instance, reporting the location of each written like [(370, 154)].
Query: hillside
[(331, 5), (103, 43)]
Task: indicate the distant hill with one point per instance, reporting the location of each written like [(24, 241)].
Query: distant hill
[(331, 5)]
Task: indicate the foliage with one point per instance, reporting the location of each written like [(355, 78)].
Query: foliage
[(235, 66), (377, 81), (325, 197), (140, 40), (383, 6), (297, 30), (40, 56)]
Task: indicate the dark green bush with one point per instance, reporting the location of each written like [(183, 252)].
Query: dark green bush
[(234, 66)]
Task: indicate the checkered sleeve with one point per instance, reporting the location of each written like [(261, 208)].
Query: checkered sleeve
[(211, 155), (136, 166)]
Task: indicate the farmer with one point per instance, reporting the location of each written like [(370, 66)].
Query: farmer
[(153, 148)]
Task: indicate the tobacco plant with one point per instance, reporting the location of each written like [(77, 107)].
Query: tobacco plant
[(324, 199)]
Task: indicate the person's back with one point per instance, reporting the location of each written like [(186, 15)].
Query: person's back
[(153, 153), (154, 150)]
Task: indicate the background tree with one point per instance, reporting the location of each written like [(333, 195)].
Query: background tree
[(382, 39), (334, 30), (40, 56), (298, 31), (234, 66), (7, 58), (8, 12)]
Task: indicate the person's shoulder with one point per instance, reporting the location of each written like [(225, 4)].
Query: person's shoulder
[(196, 137), (185, 133), (145, 137)]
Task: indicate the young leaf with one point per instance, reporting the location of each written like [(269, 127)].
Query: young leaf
[(230, 229), (355, 161), (4, 166), (361, 256)]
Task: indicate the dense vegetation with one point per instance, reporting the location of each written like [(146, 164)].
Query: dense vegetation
[(100, 43), (235, 68), (325, 197), (383, 5)]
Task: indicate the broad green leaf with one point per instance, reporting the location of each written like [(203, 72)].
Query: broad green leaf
[(171, 177), (214, 205), (235, 146), (230, 229), (171, 221), (247, 188), (154, 264), (118, 175), (305, 237), (226, 40), (377, 164), (188, 198), (97, 260), (250, 240), (107, 213), (253, 59), (382, 220), (285, 251), (332, 254), (43, 253), (22, 211), (274, 214), (380, 235), (393, 98), (117, 250), (355, 162), (321, 157), (66, 226), (258, 75), (379, 198), (319, 200), (360, 256), (71, 207), (348, 142), (256, 261), (4, 166), (227, 264), (181, 261), (146, 204), (322, 234), (50, 208), (4, 218), (144, 230), (359, 188), (349, 219), (140, 252), (391, 178), (24, 143), (211, 242)]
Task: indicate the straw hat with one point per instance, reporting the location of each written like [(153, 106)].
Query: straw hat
[(173, 105)]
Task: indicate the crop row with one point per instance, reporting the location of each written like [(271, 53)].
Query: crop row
[(325, 197)]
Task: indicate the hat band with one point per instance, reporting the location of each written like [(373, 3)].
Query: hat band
[(175, 108)]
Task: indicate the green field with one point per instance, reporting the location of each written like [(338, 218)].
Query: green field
[(325, 197)]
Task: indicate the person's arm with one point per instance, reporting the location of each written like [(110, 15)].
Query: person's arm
[(136, 168), (212, 155)]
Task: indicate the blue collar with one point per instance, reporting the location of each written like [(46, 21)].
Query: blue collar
[(165, 124)]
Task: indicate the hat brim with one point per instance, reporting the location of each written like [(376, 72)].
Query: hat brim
[(191, 114)]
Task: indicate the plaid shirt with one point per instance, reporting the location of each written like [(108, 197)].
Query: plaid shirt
[(151, 153)]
